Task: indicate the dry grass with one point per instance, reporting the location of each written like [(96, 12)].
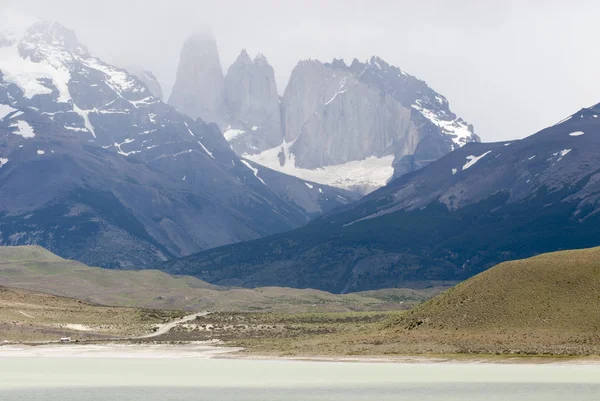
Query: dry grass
[(31, 316), (546, 305)]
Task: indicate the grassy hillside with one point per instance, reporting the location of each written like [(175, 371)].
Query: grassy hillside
[(552, 292), (32, 316), (548, 304), (37, 269)]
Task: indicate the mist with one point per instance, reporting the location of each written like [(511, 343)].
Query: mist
[(508, 68)]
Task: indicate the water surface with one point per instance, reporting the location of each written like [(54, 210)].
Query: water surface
[(197, 379)]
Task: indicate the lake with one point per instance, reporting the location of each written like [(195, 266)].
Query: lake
[(186, 378)]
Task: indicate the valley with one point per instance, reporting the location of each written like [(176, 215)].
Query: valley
[(351, 214), (545, 306)]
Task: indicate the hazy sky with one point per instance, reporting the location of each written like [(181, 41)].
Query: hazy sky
[(507, 67)]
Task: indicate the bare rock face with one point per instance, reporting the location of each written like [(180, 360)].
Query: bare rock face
[(149, 79), (199, 87), (336, 114), (252, 105), (351, 126), (364, 123), (311, 85)]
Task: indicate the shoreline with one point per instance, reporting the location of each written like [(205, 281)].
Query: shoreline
[(214, 350)]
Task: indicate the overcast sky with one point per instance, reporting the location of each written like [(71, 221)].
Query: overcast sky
[(508, 68)]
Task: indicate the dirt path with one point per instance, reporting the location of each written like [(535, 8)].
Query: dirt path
[(165, 328), (26, 315)]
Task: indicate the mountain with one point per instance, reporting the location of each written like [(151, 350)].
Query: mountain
[(96, 168), (199, 89), (253, 115), (149, 79), (480, 205), (349, 126)]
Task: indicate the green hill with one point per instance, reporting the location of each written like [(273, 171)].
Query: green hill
[(34, 268)]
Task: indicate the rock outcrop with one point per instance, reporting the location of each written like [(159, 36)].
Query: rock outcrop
[(352, 126), (149, 79), (252, 105)]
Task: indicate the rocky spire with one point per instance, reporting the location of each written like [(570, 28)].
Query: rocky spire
[(199, 87), (253, 101)]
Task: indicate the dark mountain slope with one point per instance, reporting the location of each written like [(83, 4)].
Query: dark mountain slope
[(479, 205)]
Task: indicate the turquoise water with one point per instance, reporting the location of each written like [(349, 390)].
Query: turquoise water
[(187, 379)]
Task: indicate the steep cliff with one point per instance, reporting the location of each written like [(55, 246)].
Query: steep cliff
[(252, 101), (199, 87)]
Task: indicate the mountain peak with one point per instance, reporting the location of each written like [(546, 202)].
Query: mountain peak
[(203, 35), (378, 62), (198, 89), (45, 37), (243, 58), (261, 59), (13, 26), (339, 63)]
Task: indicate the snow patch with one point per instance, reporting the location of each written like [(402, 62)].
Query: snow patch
[(254, 170), (5, 110), (457, 129), (472, 160), (23, 129), (561, 154), (336, 95), (3, 161), (454, 171), (308, 185), (255, 128), (360, 175), (118, 80), (85, 114), (206, 150), (121, 152), (29, 76), (41, 152), (231, 134), (577, 133)]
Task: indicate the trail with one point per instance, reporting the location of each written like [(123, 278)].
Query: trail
[(26, 315), (165, 328)]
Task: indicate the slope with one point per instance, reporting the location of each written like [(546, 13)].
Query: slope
[(34, 316), (545, 305), (476, 207), (36, 269)]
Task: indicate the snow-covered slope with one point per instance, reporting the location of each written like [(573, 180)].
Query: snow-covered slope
[(361, 176)]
